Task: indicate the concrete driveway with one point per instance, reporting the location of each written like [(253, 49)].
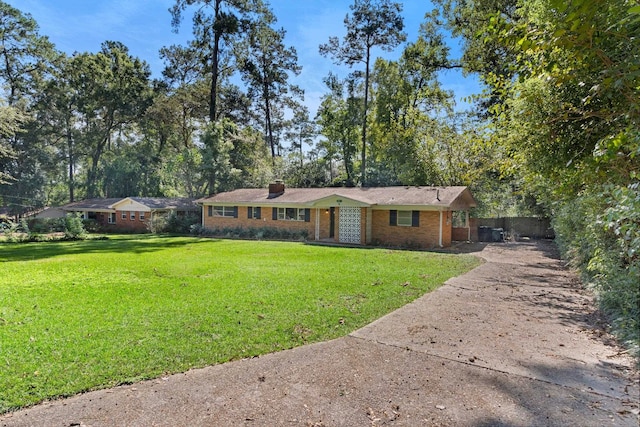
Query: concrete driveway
[(515, 342)]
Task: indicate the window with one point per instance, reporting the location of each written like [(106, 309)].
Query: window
[(112, 218), (254, 212), (226, 211), (141, 216), (132, 215), (124, 214), (291, 214), (404, 218), (460, 219)]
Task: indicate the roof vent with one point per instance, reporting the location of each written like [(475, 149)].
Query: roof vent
[(276, 189)]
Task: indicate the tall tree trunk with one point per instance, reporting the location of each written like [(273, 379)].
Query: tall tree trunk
[(71, 162), (364, 121), (267, 111), (301, 155), (214, 67)]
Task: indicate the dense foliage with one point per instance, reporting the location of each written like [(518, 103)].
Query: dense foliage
[(563, 104), (70, 227)]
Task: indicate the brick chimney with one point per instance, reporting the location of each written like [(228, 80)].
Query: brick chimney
[(276, 189)]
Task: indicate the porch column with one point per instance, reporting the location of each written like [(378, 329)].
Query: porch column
[(466, 221), (440, 233), (368, 228), (317, 224)]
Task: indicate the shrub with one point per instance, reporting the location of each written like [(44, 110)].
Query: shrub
[(173, 223), (599, 233), (39, 230), (266, 233), (73, 227)]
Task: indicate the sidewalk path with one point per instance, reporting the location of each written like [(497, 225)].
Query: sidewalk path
[(511, 343)]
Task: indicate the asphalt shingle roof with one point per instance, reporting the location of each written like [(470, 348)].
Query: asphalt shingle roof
[(381, 196), (150, 202)]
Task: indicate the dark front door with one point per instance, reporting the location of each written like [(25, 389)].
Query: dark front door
[(332, 223)]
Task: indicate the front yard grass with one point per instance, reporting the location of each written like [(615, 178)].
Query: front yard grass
[(77, 316)]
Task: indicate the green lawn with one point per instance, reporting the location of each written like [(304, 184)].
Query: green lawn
[(76, 316)]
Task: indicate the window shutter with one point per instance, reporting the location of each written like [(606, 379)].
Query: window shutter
[(210, 210), (274, 214), (393, 217), (235, 212), (415, 218), (307, 215), (249, 212), (258, 213)]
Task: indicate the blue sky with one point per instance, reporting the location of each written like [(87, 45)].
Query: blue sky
[(144, 26)]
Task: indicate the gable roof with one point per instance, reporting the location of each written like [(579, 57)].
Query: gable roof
[(163, 202), (109, 205), (455, 197), (90, 205)]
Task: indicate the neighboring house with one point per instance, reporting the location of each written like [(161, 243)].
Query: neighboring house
[(397, 216), (130, 213), (50, 212)]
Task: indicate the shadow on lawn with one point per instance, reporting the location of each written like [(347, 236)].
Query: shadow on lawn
[(136, 244)]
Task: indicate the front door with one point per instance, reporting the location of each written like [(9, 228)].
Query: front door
[(332, 223), (349, 225)]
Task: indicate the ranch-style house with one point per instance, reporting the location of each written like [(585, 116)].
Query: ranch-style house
[(423, 217), (126, 214)]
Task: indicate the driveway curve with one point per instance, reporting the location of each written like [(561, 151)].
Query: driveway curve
[(514, 342)]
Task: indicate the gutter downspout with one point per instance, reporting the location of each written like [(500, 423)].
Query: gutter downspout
[(440, 233)]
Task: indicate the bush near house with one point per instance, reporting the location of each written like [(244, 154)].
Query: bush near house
[(260, 233), (71, 227)]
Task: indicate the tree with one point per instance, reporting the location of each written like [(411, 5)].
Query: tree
[(214, 32), (410, 125), (301, 130), (10, 120), (338, 117), (266, 67), (114, 93), (25, 62), (372, 23), (24, 53), (566, 111)]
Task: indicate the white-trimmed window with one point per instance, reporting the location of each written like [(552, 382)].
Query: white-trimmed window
[(132, 215), (404, 218), (124, 214), (291, 214), (226, 211), (141, 216)]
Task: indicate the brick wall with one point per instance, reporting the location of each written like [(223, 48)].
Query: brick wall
[(424, 236), (265, 221), (127, 224), (460, 234)]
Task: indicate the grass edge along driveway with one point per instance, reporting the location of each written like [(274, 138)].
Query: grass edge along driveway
[(79, 316)]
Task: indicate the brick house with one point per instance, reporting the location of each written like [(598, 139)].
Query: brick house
[(424, 217), (130, 213)]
